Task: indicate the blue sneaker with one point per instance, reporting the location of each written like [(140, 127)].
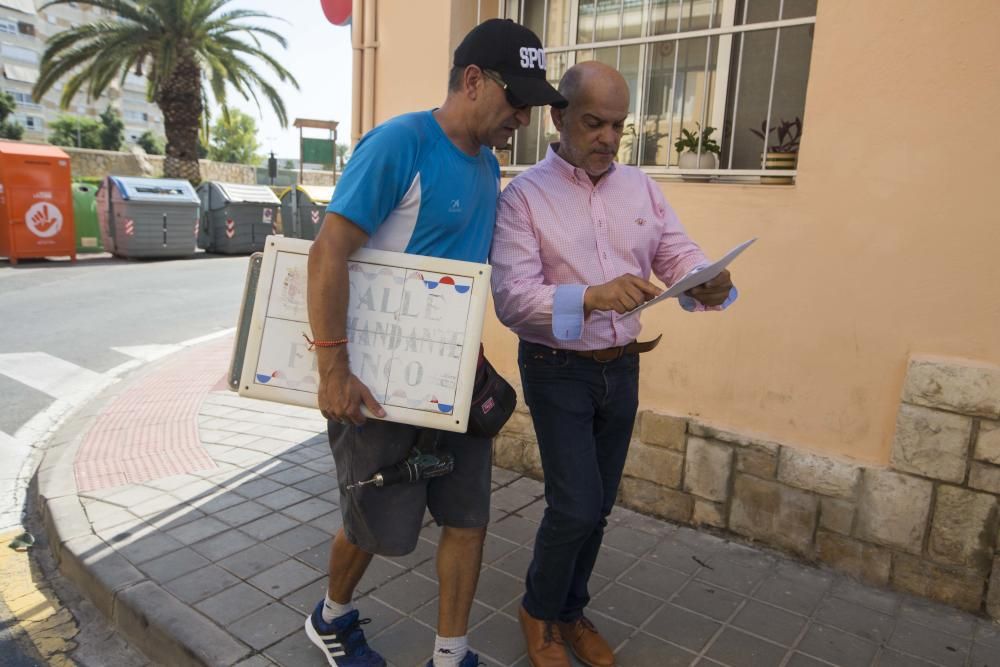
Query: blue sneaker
[(342, 640), (470, 660)]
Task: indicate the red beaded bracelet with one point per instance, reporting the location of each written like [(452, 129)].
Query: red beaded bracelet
[(324, 343)]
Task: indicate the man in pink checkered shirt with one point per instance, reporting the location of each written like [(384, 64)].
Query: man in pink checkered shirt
[(577, 237)]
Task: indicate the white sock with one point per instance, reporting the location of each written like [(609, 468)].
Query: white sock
[(449, 651), (332, 610)]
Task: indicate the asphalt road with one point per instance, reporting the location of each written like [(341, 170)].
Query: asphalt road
[(80, 313)]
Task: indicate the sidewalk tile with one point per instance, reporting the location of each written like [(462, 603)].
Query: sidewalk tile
[(625, 605), (852, 617), (939, 617), (682, 627), (198, 530), (233, 603), (940, 647), (284, 578), (173, 565), (225, 544), (253, 560), (282, 498), (243, 513), (267, 626), (645, 650), (296, 649), (268, 526), (309, 509), (836, 646), (406, 593), (201, 584), (298, 539), (406, 644), (497, 588), (770, 622), (500, 638), (733, 647), (653, 580), (382, 616), (708, 600), (629, 540)]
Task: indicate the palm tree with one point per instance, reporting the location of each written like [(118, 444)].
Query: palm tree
[(186, 46)]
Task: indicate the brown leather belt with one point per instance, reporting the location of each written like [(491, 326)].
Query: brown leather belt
[(612, 353)]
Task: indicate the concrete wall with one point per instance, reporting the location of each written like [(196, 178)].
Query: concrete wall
[(92, 163)]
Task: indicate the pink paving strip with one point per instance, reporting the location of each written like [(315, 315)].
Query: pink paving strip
[(150, 431)]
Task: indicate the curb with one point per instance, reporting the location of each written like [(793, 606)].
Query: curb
[(152, 620)]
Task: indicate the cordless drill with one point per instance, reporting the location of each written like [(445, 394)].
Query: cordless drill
[(426, 460)]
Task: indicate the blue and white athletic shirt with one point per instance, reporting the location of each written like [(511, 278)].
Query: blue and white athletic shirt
[(414, 191)]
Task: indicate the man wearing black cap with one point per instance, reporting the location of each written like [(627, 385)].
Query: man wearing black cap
[(424, 183)]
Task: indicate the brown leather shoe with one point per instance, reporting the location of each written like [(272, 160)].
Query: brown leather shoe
[(587, 644), (545, 644)]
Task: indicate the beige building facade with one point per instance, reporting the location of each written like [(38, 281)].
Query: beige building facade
[(24, 30), (847, 408)]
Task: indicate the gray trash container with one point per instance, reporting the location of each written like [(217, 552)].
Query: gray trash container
[(235, 218), (303, 208), (147, 217)]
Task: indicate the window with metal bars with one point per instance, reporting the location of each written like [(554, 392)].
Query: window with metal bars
[(737, 66)]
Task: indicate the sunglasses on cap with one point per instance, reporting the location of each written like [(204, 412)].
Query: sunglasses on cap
[(512, 99)]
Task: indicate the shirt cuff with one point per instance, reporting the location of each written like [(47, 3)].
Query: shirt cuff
[(690, 304), (567, 312)]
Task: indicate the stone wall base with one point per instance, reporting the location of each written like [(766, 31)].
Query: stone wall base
[(927, 524)]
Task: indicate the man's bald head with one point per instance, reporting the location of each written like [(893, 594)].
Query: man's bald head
[(591, 126), (592, 78)]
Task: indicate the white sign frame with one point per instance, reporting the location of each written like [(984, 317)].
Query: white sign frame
[(283, 269)]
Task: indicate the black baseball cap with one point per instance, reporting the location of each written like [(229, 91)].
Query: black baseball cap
[(515, 53)]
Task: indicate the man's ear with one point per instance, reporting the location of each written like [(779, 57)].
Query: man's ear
[(472, 79), (557, 117)]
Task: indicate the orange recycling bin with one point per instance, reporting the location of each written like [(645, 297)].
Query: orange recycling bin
[(36, 202)]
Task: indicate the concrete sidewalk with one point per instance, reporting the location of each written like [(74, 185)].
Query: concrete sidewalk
[(199, 522)]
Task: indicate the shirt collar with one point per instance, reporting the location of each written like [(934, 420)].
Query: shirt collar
[(557, 162)]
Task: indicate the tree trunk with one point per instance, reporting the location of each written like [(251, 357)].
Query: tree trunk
[(180, 101)]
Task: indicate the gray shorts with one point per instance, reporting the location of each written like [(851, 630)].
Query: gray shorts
[(387, 521)]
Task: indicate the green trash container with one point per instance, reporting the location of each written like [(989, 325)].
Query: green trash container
[(88, 234)]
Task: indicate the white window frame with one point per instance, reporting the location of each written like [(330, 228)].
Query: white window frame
[(8, 26), (17, 53), (725, 33)]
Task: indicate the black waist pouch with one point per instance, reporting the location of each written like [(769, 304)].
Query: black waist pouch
[(493, 400)]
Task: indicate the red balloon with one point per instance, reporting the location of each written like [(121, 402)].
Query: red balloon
[(338, 12)]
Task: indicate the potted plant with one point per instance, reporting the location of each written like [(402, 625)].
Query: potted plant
[(695, 152), (785, 153)]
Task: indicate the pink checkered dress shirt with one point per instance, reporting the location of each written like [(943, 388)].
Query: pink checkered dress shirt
[(557, 233)]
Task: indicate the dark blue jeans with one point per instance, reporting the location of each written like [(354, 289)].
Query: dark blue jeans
[(583, 412)]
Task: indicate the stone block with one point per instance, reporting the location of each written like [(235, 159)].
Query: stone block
[(958, 587), (650, 498), (931, 443), (662, 430), (988, 442), (520, 424), (654, 464), (984, 477), (993, 596), (707, 513), (821, 474), (859, 559), (964, 527), (836, 516), (508, 452), (893, 509), (774, 513), (758, 459), (531, 460), (707, 468), (958, 385), (709, 432)]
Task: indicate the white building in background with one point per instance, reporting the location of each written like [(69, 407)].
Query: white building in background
[(23, 33)]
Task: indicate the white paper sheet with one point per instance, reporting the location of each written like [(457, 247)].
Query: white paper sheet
[(695, 278)]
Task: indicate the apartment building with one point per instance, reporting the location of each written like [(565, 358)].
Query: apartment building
[(24, 29)]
